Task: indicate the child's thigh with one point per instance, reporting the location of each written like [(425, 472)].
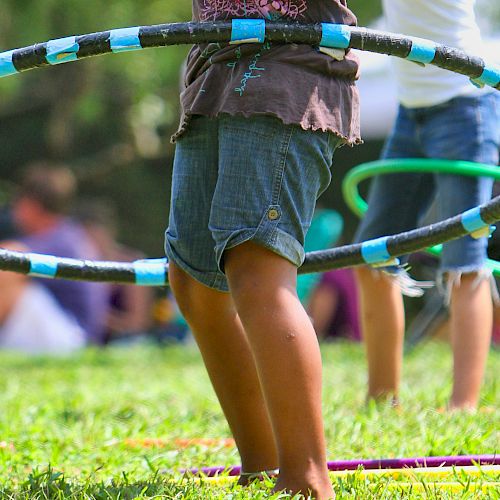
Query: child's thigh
[(396, 203), (270, 175), (464, 128)]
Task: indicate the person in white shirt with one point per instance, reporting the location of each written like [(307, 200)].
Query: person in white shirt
[(31, 320), (441, 115)]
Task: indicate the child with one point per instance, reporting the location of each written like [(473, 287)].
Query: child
[(441, 115), (260, 125)]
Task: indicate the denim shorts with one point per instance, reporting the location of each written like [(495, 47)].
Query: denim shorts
[(464, 128), (238, 179)]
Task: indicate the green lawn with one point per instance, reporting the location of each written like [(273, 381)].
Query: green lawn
[(66, 425)]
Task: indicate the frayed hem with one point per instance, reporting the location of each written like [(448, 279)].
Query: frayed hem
[(409, 286), (350, 141), (447, 279)]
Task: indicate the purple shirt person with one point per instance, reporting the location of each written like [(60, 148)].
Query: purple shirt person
[(39, 214), (334, 306), (87, 302)]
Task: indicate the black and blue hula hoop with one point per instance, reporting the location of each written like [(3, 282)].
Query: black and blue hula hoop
[(153, 272), (329, 35)]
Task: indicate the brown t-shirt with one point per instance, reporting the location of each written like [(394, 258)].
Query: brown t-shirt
[(295, 83)]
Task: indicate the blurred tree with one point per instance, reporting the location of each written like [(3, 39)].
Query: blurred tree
[(109, 118), (366, 11)]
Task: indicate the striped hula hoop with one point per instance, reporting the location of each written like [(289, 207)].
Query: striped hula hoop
[(329, 35), (384, 464), (154, 272), (365, 171)]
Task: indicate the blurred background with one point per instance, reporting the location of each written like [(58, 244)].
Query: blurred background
[(110, 118)]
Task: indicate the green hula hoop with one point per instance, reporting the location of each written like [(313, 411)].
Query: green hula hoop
[(392, 166)]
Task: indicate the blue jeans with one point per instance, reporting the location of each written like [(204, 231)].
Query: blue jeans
[(464, 128), (238, 179)]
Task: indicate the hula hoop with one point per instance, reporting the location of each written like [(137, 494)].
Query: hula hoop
[(479, 479), (479, 488), (384, 464), (154, 272), (362, 172), (414, 49), (416, 485), (414, 482), (401, 479)]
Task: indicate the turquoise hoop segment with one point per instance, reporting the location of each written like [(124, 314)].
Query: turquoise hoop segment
[(335, 36), (375, 251), (124, 39), (490, 76), (42, 266), (471, 220), (62, 50), (150, 272), (248, 31), (7, 67), (422, 51)]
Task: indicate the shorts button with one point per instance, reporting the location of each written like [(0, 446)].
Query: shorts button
[(273, 214)]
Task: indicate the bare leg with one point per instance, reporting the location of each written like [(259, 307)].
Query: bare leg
[(382, 323), (12, 285), (218, 331), (286, 351), (471, 325)]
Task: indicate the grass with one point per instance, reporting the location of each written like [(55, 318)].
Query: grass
[(66, 426)]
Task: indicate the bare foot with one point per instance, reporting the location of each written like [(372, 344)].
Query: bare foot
[(247, 478), (465, 407), (388, 399), (312, 487)]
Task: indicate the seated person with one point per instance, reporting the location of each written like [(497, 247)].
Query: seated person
[(31, 320), (39, 212), (130, 307)]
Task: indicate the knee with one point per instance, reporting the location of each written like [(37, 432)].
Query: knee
[(195, 300), (180, 284), (253, 271)]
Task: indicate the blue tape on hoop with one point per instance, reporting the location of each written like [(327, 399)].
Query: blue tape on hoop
[(337, 36), (124, 39), (490, 76), (375, 251), (248, 31), (44, 266), (471, 220), (62, 50), (6, 65), (422, 51), (150, 272)]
